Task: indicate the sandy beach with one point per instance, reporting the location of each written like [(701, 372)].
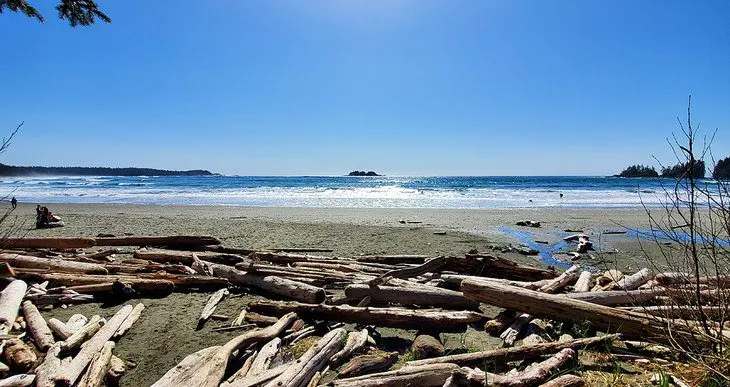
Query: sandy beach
[(166, 332)]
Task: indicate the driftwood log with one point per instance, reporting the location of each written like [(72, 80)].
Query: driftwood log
[(49, 243), (583, 284), (424, 296), (275, 285), (53, 264), (534, 374), (98, 367), (10, 299), (171, 241), (314, 360), (432, 375), (42, 334), (390, 317)]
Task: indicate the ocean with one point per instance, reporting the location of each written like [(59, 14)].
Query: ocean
[(344, 191)]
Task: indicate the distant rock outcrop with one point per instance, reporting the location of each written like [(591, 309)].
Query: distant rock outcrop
[(362, 173), (638, 171), (11, 170), (722, 169)]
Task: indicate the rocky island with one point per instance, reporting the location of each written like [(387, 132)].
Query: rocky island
[(11, 170), (363, 173)]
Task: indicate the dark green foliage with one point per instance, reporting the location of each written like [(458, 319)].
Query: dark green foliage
[(639, 171), (362, 173), (77, 12), (10, 170), (681, 170), (722, 169)]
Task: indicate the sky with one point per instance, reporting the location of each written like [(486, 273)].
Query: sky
[(417, 87)]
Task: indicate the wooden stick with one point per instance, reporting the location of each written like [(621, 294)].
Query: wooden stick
[(210, 305), (514, 353), (130, 320), (98, 367), (263, 359), (83, 334), (42, 335), (10, 299)]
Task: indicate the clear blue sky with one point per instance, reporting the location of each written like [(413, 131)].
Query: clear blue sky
[(400, 87)]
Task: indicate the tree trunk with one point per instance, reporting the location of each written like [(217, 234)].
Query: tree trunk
[(276, 285), (98, 367), (389, 317), (500, 322), (562, 281), (170, 241), (10, 299), (48, 243), (583, 284), (427, 376), (56, 265), (82, 335), (616, 297), (209, 371), (534, 374), (514, 353), (74, 370), (315, 359), (635, 280), (42, 335), (431, 296), (456, 279), (157, 283), (47, 371), (564, 309), (393, 259)]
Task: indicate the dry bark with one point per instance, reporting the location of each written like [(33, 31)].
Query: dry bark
[(10, 299), (390, 317), (314, 360), (514, 353), (42, 335), (424, 296), (209, 371)]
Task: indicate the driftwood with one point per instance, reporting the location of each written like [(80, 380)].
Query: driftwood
[(83, 334), (514, 332), (567, 380), (210, 305), (56, 265), (262, 360), (47, 371), (466, 377), (456, 279), (314, 360), (175, 240), (515, 353), (635, 280), (117, 368), (59, 328), (674, 311), (583, 284), (391, 317), (500, 322), (533, 374), (276, 285), (157, 283), (433, 265), (616, 297), (432, 375), (560, 308), (392, 259), (186, 257), (256, 380), (10, 299), (562, 280), (20, 380), (98, 367), (77, 321), (49, 243), (355, 342), (19, 356), (129, 321), (365, 364), (42, 335), (206, 369), (424, 296), (493, 266), (73, 371), (241, 373)]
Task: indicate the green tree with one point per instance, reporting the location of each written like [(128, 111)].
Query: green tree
[(77, 12), (722, 169), (639, 171)]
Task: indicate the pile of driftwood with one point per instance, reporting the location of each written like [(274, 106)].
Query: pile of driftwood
[(441, 294)]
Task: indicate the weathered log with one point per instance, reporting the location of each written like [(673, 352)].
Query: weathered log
[(456, 279), (42, 335), (20, 380), (210, 305), (47, 371), (209, 371), (257, 380), (175, 240), (514, 332), (262, 360), (432, 265), (500, 322), (186, 257), (355, 342), (259, 319), (103, 254), (567, 380), (424, 296), (432, 375), (682, 312), (77, 321), (56, 265), (562, 280), (497, 267), (157, 283), (117, 368), (583, 284), (365, 364), (515, 353), (83, 334), (98, 367), (73, 371), (635, 280), (241, 373), (315, 359), (10, 299), (276, 285), (59, 328), (425, 346), (392, 259), (48, 243), (350, 267), (129, 321), (466, 377), (391, 317), (616, 297), (19, 356), (561, 308), (534, 374)]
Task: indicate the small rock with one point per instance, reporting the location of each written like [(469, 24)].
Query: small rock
[(528, 223), (532, 339), (565, 337), (426, 346)]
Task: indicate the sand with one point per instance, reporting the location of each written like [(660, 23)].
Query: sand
[(166, 332)]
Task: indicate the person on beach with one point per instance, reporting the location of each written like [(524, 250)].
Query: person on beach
[(14, 202)]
